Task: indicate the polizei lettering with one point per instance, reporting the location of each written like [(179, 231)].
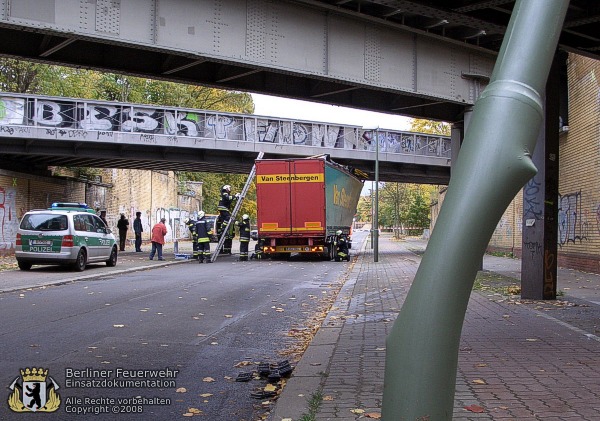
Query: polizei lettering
[(341, 198)]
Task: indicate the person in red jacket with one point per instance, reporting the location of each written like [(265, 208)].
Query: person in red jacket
[(158, 239)]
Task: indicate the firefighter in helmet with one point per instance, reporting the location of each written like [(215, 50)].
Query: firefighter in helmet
[(244, 226), (203, 231), (224, 208), (191, 224), (258, 250), (341, 247)]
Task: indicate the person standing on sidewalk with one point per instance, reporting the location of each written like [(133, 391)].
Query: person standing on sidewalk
[(123, 227), (138, 230), (158, 239)]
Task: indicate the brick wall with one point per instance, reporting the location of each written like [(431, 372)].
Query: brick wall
[(22, 192), (579, 200), (154, 193), (579, 172)]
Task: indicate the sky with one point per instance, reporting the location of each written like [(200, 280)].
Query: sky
[(272, 106)]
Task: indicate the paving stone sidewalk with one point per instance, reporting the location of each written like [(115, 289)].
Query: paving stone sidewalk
[(517, 360)]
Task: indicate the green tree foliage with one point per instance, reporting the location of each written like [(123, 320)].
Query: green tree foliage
[(401, 205), (363, 209), (35, 78), (429, 126), (417, 212), (18, 76), (211, 190)]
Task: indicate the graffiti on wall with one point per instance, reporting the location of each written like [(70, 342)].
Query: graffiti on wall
[(8, 220), (531, 200), (572, 224), (68, 118)]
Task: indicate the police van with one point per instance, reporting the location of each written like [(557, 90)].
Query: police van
[(64, 234)]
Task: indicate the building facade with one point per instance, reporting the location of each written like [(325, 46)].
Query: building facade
[(156, 194), (579, 174)]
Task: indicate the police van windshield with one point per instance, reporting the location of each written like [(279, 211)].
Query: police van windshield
[(44, 222)]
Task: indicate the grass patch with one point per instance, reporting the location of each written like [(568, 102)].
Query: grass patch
[(509, 254), (496, 283), (314, 403)]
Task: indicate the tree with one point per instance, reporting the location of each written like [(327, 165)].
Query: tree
[(36, 78), (18, 76), (430, 126), (211, 190), (28, 77)]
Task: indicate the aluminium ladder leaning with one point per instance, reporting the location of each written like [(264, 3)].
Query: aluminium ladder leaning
[(236, 209)]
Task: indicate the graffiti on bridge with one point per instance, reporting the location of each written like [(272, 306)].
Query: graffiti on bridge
[(72, 118), (80, 116)]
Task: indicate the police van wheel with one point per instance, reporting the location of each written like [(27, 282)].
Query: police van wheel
[(24, 266), (112, 261), (81, 261)]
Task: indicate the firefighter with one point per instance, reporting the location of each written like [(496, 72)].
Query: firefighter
[(203, 231), (244, 226), (224, 209), (191, 224), (341, 247), (258, 250)]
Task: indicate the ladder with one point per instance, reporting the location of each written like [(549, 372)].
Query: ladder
[(236, 209)]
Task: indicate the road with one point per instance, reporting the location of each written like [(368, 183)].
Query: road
[(194, 323)]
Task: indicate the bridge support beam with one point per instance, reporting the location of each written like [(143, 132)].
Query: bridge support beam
[(493, 165), (540, 204)]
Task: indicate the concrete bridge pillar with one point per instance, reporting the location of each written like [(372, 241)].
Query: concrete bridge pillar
[(540, 203)]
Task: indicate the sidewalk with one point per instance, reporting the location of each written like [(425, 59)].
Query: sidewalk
[(518, 360)]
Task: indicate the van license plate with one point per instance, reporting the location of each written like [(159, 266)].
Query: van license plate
[(40, 242)]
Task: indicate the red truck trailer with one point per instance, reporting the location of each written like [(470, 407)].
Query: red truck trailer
[(302, 202)]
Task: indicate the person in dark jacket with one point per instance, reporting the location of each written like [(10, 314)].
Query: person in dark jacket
[(138, 230), (224, 208), (122, 226), (191, 224), (203, 231), (244, 226), (258, 250), (342, 251)]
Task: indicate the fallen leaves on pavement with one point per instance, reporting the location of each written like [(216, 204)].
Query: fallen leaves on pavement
[(475, 408)]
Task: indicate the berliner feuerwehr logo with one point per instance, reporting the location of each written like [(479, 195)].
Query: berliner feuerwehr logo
[(33, 392)]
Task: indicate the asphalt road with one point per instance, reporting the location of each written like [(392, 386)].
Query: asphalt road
[(191, 322)]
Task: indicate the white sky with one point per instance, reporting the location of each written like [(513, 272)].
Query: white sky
[(272, 106)]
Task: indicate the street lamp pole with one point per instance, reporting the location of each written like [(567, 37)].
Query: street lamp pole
[(376, 218), (371, 191)]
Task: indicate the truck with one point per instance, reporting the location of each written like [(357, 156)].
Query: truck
[(302, 203)]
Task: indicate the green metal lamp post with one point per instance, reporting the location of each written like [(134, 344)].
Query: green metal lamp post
[(493, 164)]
